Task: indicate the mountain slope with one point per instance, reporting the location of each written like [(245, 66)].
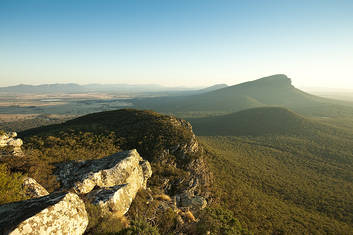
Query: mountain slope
[(276, 90)]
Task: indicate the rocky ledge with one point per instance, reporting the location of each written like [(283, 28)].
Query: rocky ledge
[(111, 183)]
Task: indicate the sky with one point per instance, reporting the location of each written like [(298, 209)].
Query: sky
[(176, 42)]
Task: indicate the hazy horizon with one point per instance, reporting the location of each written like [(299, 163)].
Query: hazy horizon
[(181, 43)]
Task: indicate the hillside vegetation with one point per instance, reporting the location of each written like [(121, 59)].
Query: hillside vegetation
[(281, 173), (256, 121)]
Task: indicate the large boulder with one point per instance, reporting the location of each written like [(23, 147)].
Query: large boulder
[(56, 213)]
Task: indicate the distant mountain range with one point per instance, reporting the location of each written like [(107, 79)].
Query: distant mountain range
[(121, 88)]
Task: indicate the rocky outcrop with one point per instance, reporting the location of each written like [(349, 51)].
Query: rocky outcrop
[(9, 144), (57, 213), (120, 168), (32, 189), (111, 182)]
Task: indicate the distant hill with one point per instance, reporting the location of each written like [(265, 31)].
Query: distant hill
[(257, 122), (275, 90), (45, 88)]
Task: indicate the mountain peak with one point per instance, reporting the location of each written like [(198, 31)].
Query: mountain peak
[(276, 79)]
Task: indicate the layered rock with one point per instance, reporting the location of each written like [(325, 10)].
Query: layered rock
[(120, 168), (57, 213), (111, 182)]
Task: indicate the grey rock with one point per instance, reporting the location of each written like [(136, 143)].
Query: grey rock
[(56, 213), (116, 199), (120, 168)]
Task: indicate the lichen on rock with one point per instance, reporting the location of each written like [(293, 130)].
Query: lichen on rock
[(111, 182), (116, 169), (56, 213)]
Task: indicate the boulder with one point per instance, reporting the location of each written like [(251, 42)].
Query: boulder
[(32, 189), (121, 168), (56, 213)]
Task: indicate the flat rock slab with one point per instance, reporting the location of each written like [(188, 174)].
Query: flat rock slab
[(56, 213)]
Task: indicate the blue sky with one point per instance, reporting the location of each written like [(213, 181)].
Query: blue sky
[(176, 42)]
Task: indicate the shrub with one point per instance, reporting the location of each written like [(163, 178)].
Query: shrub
[(219, 221), (10, 185), (139, 227), (103, 224)]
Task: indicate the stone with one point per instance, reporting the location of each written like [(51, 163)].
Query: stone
[(56, 213), (121, 168), (32, 189)]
